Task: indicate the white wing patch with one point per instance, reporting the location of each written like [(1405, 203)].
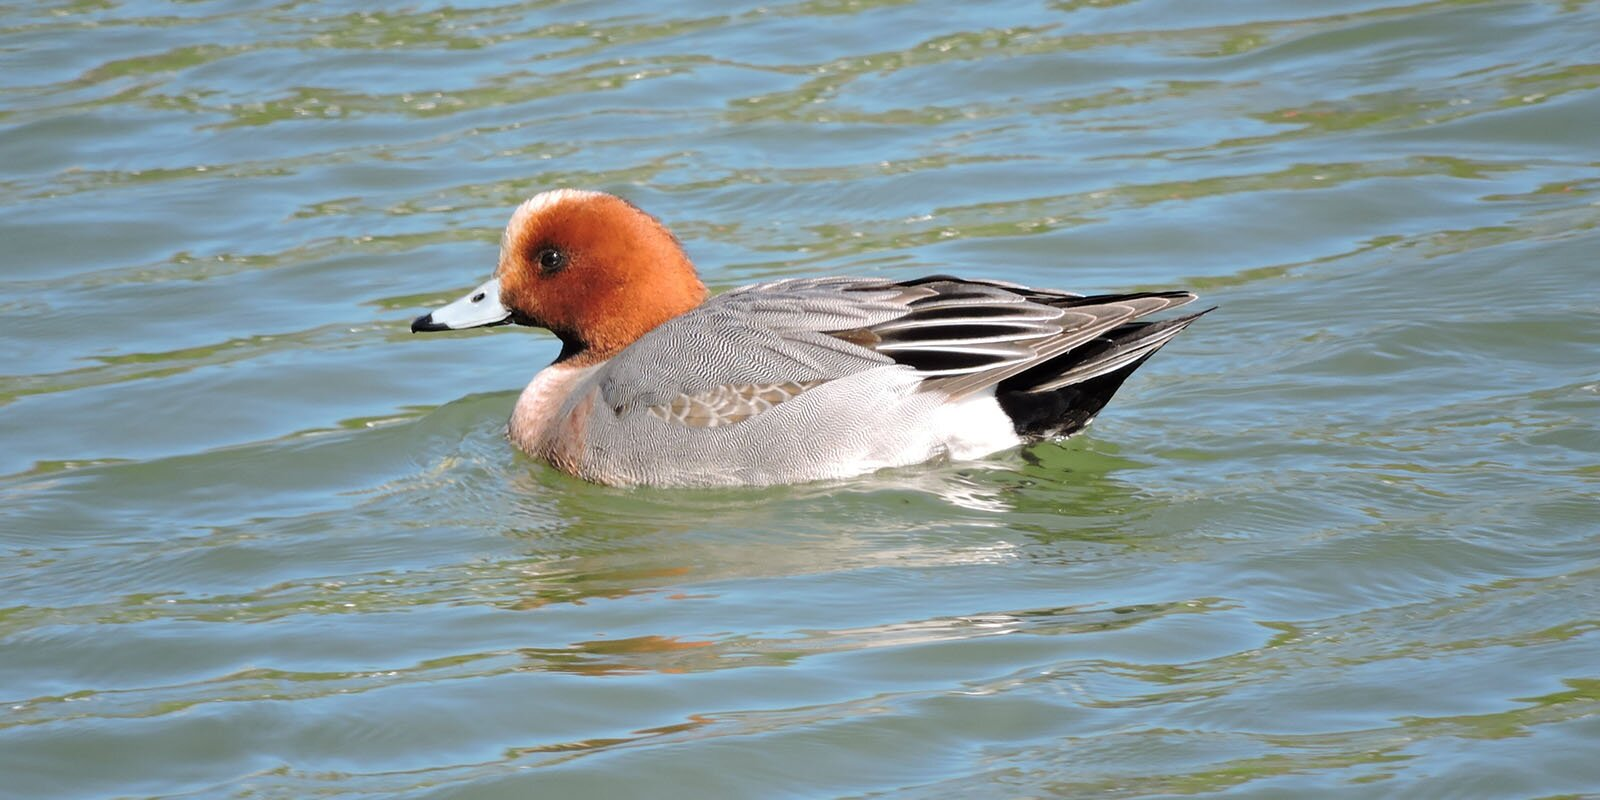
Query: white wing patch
[(728, 404)]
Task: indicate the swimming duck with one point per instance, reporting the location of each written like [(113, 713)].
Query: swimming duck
[(785, 381)]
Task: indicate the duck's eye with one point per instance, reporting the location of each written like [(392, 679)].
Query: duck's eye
[(552, 260)]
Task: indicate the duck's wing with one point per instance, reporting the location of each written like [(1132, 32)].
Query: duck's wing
[(749, 349), (754, 347), (963, 335), (1053, 339)]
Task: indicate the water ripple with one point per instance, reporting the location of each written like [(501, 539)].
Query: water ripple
[(259, 541)]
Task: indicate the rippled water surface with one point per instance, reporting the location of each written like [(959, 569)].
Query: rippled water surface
[(1342, 538)]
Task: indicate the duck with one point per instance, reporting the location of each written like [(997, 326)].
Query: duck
[(659, 383)]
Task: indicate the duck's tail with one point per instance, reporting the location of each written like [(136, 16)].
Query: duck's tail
[(1062, 395)]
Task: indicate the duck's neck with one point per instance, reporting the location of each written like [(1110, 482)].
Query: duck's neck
[(573, 352), (623, 322)]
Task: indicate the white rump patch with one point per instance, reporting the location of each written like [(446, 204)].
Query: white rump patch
[(974, 426)]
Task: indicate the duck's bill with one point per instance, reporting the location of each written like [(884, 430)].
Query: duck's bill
[(479, 308)]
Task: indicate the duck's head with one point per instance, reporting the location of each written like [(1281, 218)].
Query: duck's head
[(589, 266)]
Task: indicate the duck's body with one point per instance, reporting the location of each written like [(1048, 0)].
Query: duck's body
[(786, 381)]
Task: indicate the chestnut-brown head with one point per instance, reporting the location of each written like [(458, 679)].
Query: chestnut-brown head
[(589, 266)]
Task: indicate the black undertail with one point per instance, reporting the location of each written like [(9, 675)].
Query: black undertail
[(1058, 411)]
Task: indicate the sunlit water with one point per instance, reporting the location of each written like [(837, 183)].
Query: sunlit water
[(1341, 538)]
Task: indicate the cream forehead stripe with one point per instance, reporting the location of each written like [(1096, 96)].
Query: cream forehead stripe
[(538, 203)]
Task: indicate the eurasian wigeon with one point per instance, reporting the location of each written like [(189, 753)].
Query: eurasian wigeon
[(786, 381)]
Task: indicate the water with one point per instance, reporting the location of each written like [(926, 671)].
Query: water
[(1339, 539)]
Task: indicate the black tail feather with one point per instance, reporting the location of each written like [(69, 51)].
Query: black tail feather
[(1046, 401), (1064, 411)]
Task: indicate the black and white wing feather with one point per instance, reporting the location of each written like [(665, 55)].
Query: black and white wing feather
[(754, 347)]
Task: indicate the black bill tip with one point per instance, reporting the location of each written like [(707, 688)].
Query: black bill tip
[(425, 323)]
